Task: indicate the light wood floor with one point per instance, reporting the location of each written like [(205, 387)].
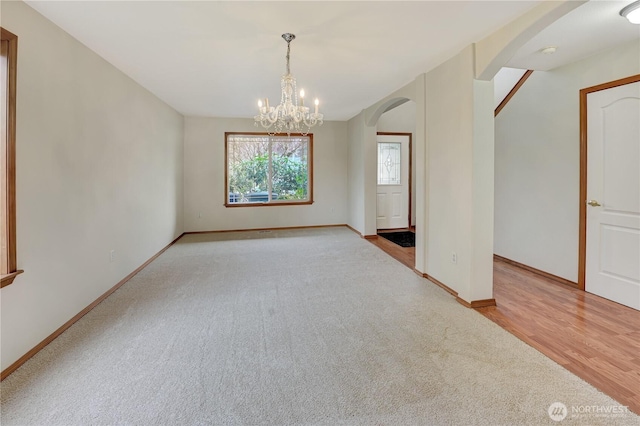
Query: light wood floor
[(405, 255), (594, 338)]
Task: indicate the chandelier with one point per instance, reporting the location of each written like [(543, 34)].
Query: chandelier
[(288, 117)]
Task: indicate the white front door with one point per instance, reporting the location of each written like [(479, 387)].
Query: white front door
[(613, 194), (392, 201)]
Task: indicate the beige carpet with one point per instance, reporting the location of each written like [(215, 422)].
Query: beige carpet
[(299, 327)]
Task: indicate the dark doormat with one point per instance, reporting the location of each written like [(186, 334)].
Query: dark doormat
[(403, 239)]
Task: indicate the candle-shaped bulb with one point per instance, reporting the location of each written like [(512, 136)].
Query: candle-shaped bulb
[(317, 102), (260, 103), (302, 97), (266, 103), (302, 93)]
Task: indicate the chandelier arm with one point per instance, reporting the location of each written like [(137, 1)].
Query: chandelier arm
[(297, 116), (272, 116), (310, 121), (264, 124)]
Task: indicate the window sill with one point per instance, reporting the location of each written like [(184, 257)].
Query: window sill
[(8, 279), (273, 203)]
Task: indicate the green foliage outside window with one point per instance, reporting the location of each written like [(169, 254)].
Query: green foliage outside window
[(290, 177), (249, 170)]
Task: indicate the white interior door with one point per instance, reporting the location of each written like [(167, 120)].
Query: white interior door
[(392, 201), (613, 190)]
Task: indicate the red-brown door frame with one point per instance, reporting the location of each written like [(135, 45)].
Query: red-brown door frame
[(582, 242)]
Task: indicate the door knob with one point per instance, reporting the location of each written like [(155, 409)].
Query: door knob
[(593, 203)]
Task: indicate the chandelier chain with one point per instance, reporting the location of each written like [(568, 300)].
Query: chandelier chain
[(288, 54)]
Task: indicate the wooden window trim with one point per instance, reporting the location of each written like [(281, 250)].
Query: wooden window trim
[(272, 203), (9, 260)]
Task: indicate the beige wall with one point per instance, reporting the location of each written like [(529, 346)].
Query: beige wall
[(402, 119), (537, 162), (356, 184), (204, 165), (460, 168), (99, 168)]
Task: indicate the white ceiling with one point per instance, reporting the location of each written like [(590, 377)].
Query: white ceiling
[(214, 58), (590, 28)]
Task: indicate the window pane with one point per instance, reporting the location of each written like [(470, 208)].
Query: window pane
[(248, 168), (263, 169), (389, 163), (4, 83), (289, 159)]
